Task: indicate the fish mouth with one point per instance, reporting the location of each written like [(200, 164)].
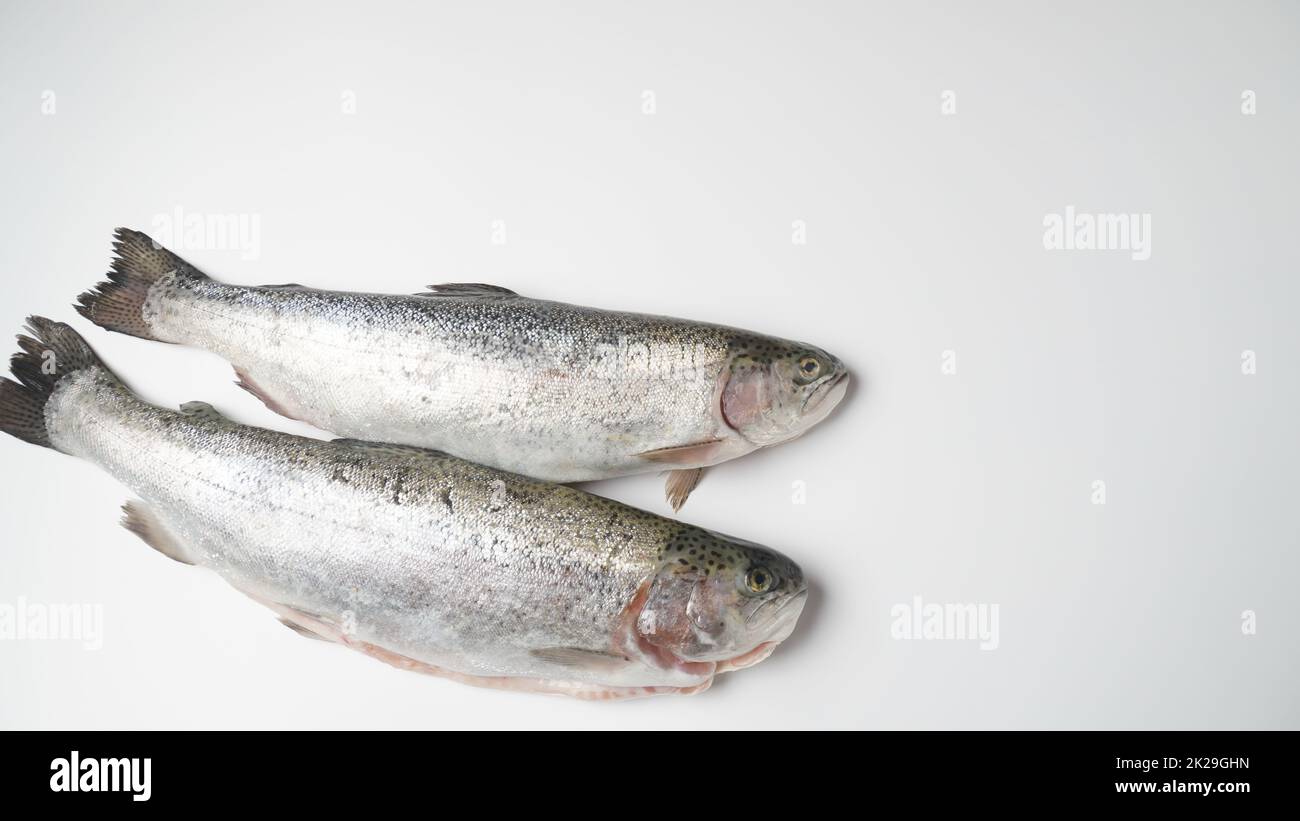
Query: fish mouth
[(774, 621), (828, 394), (749, 659), (780, 622), (822, 401), (782, 617)]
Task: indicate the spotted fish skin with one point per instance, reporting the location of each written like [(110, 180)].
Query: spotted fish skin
[(441, 372), (416, 557), (549, 390)]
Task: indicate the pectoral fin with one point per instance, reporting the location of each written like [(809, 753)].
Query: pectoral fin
[(680, 484), (687, 456), (578, 658)]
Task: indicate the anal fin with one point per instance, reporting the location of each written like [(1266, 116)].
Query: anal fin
[(140, 520), (245, 381), (301, 630)]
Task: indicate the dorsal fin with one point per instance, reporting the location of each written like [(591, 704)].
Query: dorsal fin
[(288, 286), (477, 289), (202, 410), (387, 447)]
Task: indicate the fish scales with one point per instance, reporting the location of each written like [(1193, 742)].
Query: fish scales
[(504, 371), (414, 556), (546, 389), (444, 536)]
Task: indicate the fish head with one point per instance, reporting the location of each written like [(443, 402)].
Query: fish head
[(720, 599), (775, 390)]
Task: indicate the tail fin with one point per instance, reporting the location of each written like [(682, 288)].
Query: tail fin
[(138, 262), (52, 352)]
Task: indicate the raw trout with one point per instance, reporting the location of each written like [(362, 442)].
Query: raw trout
[(553, 391), (412, 556)]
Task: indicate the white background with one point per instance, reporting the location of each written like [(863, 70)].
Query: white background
[(924, 234)]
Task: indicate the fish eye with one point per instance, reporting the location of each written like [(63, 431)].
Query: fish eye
[(809, 367), (760, 579)]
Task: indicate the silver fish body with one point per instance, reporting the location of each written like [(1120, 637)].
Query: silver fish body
[(550, 390), (539, 388), (416, 557)]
